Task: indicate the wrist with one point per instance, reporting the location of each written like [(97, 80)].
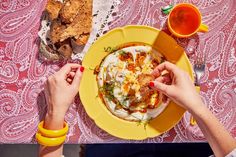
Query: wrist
[(56, 109), (54, 121), (198, 108), (56, 114)]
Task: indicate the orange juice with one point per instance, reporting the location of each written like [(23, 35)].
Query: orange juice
[(185, 20)]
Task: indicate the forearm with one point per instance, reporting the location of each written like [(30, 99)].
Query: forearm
[(50, 151), (52, 122), (218, 137)]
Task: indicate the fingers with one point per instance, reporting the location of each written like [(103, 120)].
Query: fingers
[(165, 66), (69, 80), (70, 76), (77, 77), (159, 86), (156, 72), (68, 68), (164, 79)]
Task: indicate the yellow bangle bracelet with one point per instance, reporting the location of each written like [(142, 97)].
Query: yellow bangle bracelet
[(50, 142), (52, 133)]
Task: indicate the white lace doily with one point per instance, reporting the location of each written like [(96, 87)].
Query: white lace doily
[(102, 15)]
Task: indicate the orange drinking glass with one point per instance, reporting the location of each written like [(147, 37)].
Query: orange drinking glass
[(185, 20)]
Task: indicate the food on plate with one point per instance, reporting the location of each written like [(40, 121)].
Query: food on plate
[(71, 21), (123, 80)]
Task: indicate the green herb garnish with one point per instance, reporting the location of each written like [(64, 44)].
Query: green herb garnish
[(107, 90), (144, 122), (139, 122), (91, 68), (110, 49), (122, 52)]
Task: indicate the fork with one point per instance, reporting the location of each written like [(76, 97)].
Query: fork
[(199, 69)]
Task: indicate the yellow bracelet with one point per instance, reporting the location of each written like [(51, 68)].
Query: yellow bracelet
[(52, 133), (50, 142)]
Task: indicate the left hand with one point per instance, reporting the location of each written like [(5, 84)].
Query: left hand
[(61, 89)]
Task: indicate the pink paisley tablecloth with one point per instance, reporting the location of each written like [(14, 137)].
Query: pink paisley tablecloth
[(22, 74)]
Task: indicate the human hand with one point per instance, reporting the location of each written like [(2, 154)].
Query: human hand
[(177, 85), (61, 89)]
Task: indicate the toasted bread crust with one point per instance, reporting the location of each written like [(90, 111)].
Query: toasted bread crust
[(56, 30), (144, 79), (81, 24), (70, 10), (53, 8), (71, 20)]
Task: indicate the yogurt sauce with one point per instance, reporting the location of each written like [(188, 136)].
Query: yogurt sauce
[(112, 68)]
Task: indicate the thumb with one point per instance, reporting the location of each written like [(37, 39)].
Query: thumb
[(163, 88), (77, 77)]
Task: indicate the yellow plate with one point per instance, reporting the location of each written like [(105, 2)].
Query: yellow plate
[(89, 89)]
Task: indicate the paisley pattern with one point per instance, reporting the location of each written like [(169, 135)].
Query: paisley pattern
[(8, 71), (10, 104), (22, 74)]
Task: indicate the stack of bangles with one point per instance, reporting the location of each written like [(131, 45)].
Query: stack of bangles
[(51, 137)]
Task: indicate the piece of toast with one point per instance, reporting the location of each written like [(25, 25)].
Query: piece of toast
[(71, 21), (81, 26), (70, 10), (56, 30), (53, 8)]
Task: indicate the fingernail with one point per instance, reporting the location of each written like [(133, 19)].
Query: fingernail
[(81, 68), (151, 84)]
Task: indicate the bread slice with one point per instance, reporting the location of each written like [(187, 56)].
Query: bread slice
[(70, 10), (71, 22), (53, 8), (81, 25)]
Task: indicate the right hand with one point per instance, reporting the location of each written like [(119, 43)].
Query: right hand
[(181, 89)]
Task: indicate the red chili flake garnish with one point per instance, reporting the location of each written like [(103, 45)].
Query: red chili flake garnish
[(156, 105), (140, 57), (151, 106), (131, 67), (132, 104), (126, 56), (155, 63), (126, 87), (144, 110), (143, 54)]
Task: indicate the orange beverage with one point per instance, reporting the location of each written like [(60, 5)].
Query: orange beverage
[(185, 20)]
